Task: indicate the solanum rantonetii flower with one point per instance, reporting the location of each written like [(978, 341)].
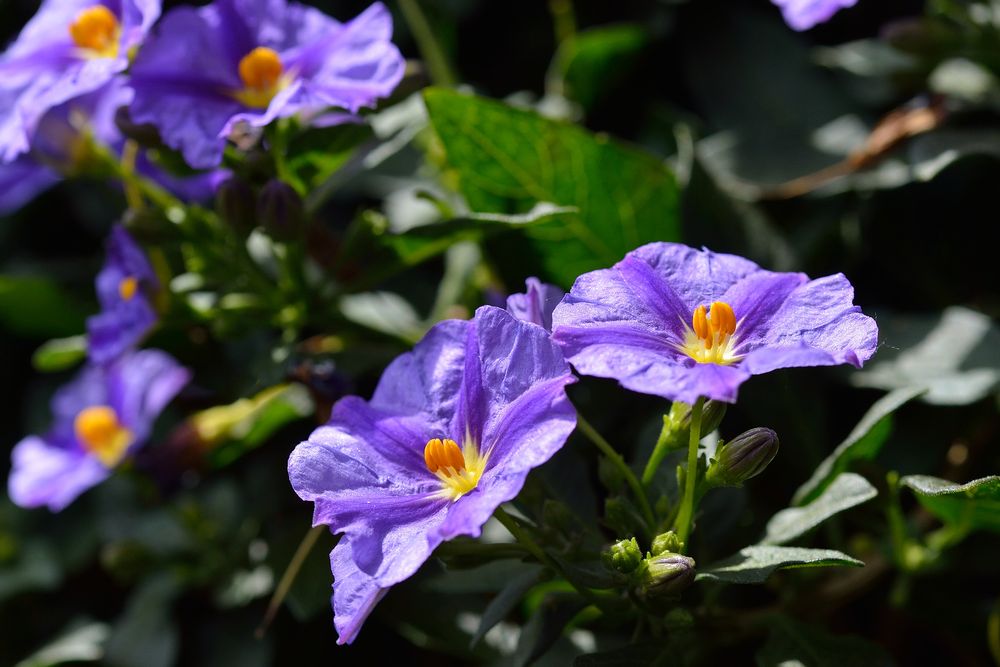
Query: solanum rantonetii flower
[(682, 323), (536, 303), (804, 14), (100, 418), (207, 69), (69, 48), (451, 433), (124, 288)]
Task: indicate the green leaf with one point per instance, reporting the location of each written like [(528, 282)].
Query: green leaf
[(955, 356), (505, 601), (145, 635), (596, 59), (863, 443), (975, 505), (385, 312), (846, 491), (545, 627), (32, 306), (754, 564), (421, 243), (791, 643), (84, 643), (59, 354), (509, 159)]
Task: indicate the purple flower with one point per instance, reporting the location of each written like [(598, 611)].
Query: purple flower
[(62, 146), (124, 288), (207, 69), (681, 323), (69, 48), (804, 14), (536, 304), (101, 417), (390, 473)]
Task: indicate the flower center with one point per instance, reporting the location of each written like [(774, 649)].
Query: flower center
[(458, 469), (96, 29), (710, 339), (99, 431), (128, 287), (261, 73)]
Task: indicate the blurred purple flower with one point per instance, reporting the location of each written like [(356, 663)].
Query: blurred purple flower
[(536, 304), (61, 143), (804, 14), (681, 323), (253, 61), (69, 48), (101, 417), (390, 473), (124, 289)]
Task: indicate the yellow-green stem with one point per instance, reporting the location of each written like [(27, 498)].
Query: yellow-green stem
[(686, 513)]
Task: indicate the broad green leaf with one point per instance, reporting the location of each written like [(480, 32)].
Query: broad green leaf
[(792, 644), (508, 160), (59, 354), (863, 443), (546, 625), (954, 355), (146, 635), (84, 643), (846, 491), (36, 307), (975, 505), (385, 312), (421, 243), (317, 154), (754, 564), (505, 601), (596, 59), (231, 430)]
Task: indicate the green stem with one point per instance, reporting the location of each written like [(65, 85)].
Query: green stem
[(563, 19), (288, 578), (619, 462), (897, 525), (686, 512), (659, 452), (437, 63)]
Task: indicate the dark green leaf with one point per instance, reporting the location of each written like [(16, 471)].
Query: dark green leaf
[(34, 306), (971, 506), (594, 60), (863, 443), (505, 601), (509, 159), (145, 635), (754, 564), (792, 643), (846, 491), (547, 625), (625, 656)]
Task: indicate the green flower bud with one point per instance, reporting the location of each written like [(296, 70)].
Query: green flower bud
[(610, 475), (667, 575), (623, 556), (234, 202), (280, 210), (677, 423), (743, 457), (666, 542)]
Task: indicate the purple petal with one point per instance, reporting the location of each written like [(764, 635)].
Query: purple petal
[(536, 304), (23, 180), (804, 14), (355, 593), (140, 385), (756, 298), (42, 474)]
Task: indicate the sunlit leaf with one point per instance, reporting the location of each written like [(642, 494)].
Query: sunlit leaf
[(754, 564), (970, 506), (846, 491)]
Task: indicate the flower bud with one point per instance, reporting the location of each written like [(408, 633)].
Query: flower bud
[(280, 210), (623, 556), (234, 202), (743, 457), (666, 542), (677, 423), (667, 575)]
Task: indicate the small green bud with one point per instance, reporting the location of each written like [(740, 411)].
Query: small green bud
[(667, 542), (623, 556), (610, 475), (677, 422), (234, 202), (667, 575), (280, 210), (743, 457)]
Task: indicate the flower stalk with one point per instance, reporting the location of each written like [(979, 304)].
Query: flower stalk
[(686, 512)]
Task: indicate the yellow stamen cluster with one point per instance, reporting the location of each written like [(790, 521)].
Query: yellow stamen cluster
[(99, 431), (128, 287), (710, 339), (459, 469), (261, 73), (96, 29)]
